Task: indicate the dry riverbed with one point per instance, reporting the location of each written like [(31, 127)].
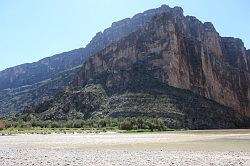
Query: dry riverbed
[(216, 147)]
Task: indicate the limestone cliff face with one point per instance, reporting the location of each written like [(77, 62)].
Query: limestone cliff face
[(179, 51), (29, 84), (47, 68), (248, 58)]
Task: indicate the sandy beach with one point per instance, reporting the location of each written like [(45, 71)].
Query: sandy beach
[(214, 147)]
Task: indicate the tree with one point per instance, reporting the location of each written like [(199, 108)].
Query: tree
[(126, 125), (2, 125)]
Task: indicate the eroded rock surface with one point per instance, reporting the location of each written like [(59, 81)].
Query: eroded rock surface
[(29, 84), (28, 74), (181, 52), (173, 66)]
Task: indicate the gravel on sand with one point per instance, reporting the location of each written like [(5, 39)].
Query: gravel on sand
[(223, 147)]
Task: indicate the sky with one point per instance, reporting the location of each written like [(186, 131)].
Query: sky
[(33, 29)]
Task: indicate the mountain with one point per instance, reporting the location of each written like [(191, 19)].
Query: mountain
[(170, 66), (178, 51), (174, 67), (28, 74), (32, 83)]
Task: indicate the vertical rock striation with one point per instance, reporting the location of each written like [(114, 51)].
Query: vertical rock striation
[(179, 51), (30, 83)]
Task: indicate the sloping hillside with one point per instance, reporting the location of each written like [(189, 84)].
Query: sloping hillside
[(30, 83)]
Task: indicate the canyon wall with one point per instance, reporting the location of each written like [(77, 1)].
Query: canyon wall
[(179, 51)]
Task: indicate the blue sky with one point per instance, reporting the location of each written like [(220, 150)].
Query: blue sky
[(33, 29)]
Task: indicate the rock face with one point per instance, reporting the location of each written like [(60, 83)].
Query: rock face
[(15, 100), (167, 65), (248, 58), (28, 74), (30, 84), (179, 51)]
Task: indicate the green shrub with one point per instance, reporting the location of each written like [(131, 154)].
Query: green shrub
[(77, 124), (69, 124), (135, 123), (126, 125), (55, 125), (102, 123), (2, 125)]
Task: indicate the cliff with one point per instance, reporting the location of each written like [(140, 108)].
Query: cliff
[(30, 84), (28, 74), (170, 66), (178, 51)]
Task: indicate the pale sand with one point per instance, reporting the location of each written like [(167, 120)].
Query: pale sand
[(223, 147)]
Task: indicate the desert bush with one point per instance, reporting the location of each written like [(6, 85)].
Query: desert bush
[(78, 124), (134, 123), (102, 123), (69, 124), (141, 123), (2, 125), (55, 124), (126, 125)]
